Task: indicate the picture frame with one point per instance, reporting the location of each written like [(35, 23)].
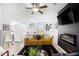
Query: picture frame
[(6, 27)]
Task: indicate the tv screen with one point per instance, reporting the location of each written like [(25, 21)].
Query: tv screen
[(66, 17)]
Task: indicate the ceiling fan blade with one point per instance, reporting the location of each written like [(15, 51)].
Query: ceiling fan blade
[(54, 3), (32, 12), (40, 11), (45, 6), (28, 8)]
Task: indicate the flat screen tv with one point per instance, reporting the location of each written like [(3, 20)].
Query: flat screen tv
[(66, 17)]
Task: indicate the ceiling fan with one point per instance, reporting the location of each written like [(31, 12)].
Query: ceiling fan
[(36, 8)]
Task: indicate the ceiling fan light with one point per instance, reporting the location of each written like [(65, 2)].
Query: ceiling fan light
[(35, 9)]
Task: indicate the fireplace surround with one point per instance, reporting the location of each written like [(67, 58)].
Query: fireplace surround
[(69, 38), (68, 42)]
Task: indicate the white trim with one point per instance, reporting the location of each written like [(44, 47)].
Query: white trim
[(59, 49)]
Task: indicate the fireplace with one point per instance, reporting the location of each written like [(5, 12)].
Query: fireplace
[(69, 38)]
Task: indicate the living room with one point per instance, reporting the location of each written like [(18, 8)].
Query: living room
[(24, 26)]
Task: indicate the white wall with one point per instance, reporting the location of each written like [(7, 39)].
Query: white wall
[(47, 20)]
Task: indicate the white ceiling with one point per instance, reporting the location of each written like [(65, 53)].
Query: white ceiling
[(15, 11)]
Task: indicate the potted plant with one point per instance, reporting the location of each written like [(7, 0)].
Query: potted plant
[(34, 51)]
